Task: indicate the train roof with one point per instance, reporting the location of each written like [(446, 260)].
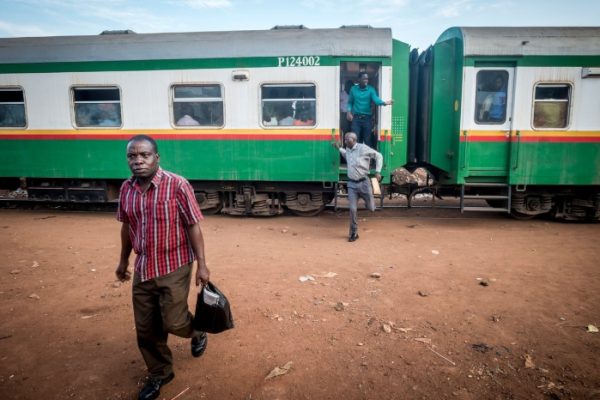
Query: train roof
[(526, 41), (345, 41)]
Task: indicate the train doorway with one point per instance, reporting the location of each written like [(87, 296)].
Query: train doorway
[(349, 72), (488, 141)]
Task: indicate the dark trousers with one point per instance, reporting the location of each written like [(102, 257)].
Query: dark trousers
[(362, 125), (359, 190), (160, 307)]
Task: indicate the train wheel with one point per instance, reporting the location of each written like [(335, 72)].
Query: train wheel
[(310, 213), (521, 216), (210, 202), (212, 210)]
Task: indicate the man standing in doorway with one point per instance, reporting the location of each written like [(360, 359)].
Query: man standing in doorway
[(160, 219), (358, 157), (359, 109)]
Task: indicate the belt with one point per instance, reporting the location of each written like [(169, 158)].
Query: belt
[(362, 116), (358, 180)]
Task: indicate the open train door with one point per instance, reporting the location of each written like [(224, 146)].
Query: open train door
[(487, 121)]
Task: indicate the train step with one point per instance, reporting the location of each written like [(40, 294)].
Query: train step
[(485, 197), (497, 195), (486, 209)]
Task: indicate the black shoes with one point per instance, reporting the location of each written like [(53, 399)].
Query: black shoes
[(353, 237), (199, 344), (151, 390)]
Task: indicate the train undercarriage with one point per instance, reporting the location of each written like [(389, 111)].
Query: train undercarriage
[(233, 198), (572, 203)]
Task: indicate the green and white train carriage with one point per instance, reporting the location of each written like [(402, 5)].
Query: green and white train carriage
[(515, 118), (248, 117)]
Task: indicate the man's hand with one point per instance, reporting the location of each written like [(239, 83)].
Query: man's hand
[(378, 176), (389, 102), (336, 144), (202, 274), (122, 273), (349, 116)]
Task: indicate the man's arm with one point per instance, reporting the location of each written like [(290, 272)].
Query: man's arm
[(378, 162), (197, 241), (378, 101), (349, 115), (122, 273)]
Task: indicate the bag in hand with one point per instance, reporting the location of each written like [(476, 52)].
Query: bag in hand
[(213, 314)]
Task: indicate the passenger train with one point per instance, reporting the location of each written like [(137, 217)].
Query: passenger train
[(506, 115)]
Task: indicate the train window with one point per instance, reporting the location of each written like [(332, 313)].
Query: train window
[(97, 107), (289, 104), (490, 98), (551, 105), (197, 105), (12, 108)]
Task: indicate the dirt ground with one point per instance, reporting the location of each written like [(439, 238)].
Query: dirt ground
[(427, 328)]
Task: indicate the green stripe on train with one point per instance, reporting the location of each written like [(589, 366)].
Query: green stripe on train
[(276, 160), (153, 65), (529, 163)]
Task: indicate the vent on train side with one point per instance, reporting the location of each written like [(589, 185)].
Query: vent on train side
[(118, 32), (356, 27), (289, 27)]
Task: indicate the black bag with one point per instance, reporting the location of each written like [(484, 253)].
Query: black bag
[(213, 314)]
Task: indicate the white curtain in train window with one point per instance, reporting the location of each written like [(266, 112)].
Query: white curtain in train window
[(551, 106)]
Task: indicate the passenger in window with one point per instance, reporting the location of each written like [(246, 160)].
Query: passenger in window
[(269, 117), (107, 115), (83, 115), (187, 116), (359, 109), (215, 111), (8, 117), (493, 108), (5, 118), (270, 120), (304, 115), (285, 116)]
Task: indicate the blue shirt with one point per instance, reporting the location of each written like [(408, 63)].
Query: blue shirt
[(498, 106), (359, 101)]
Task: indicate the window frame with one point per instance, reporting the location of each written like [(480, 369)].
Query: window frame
[(292, 84), (507, 79), (17, 87), (195, 100), (570, 86), (72, 89)]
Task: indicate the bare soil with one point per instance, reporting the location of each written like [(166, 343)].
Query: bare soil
[(427, 328)]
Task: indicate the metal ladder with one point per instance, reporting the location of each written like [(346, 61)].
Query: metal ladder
[(500, 192)]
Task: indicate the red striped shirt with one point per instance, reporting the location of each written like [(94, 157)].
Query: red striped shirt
[(157, 220)]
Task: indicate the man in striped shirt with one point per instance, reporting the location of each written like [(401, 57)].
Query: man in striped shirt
[(160, 219)]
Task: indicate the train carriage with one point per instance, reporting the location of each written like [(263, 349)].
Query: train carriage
[(512, 116), (248, 117)]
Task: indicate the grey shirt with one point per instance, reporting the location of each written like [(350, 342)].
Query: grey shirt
[(358, 159)]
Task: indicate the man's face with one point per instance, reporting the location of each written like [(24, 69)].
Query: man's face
[(349, 141), (499, 84), (364, 80), (142, 159)]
